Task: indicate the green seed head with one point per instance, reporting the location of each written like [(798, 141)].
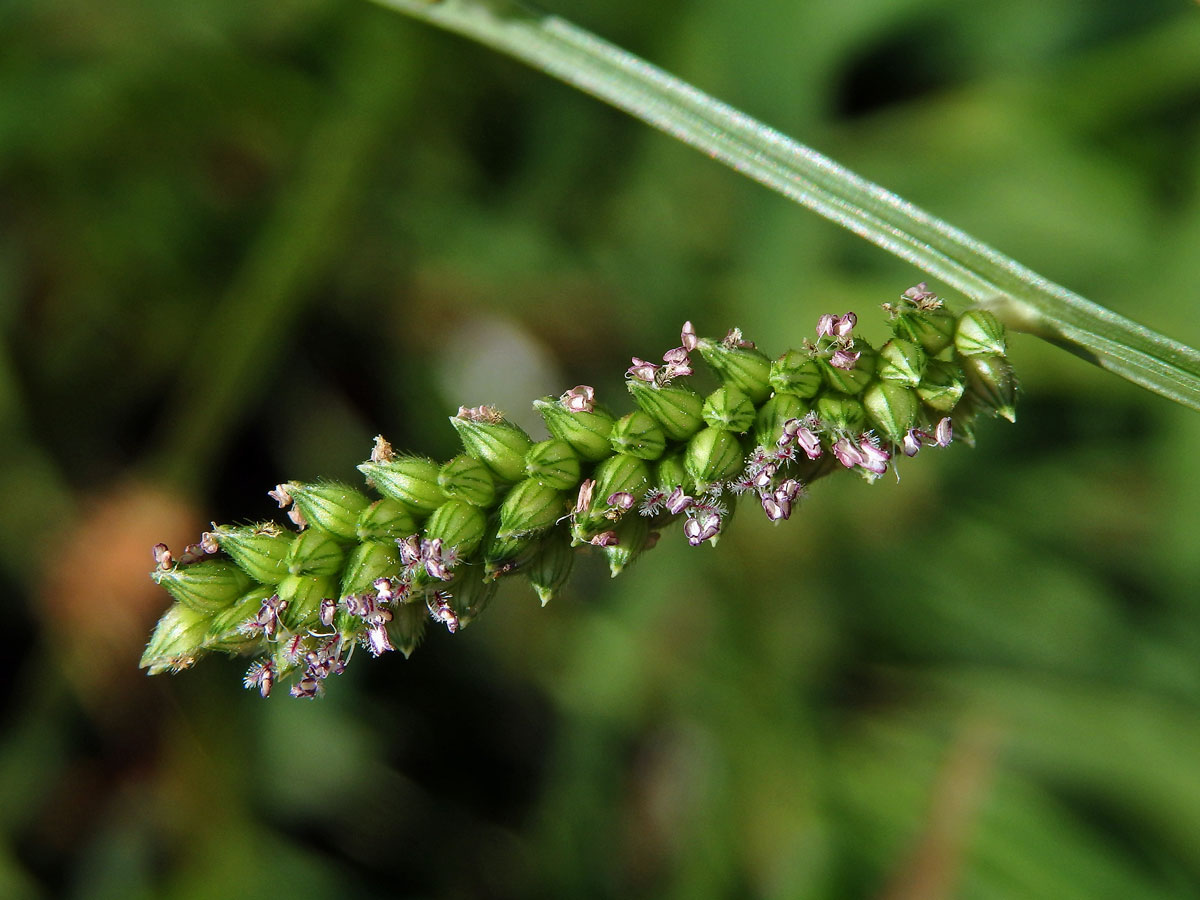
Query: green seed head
[(796, 372), (586, 430), (303, 595), (943, 385), (638, 434), (459, 525), (529, 508), (992, 384), (676, 409), (844, 415), (369, 561), (314, 553), (901, 361), (551, 566), (499, 445), (329, 506), (744, 368), (385, 520), (205, 586), (850, 373), (891, 409), (713, 455), (411, 480), (259, 550), (177, 641), (932, 329), (730, 409), (768, 425), (466, 478), (375, 573), (979, 332)]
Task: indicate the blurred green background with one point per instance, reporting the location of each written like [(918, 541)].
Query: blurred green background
[(238, 240)]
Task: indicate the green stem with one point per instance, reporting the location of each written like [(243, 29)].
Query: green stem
[(1026, 300)]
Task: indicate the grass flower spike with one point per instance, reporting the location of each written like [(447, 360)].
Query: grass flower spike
[(373, 572)]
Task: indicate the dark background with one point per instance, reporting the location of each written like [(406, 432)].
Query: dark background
[(238, 240)]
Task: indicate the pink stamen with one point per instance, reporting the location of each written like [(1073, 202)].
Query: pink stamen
[(944, 433), (844, 359), (581, 398), (687, 337), (847, 453), (642, 370)]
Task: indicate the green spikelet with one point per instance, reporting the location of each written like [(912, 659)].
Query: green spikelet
[(739, 366), (771, 417), (260, 550), (713, 455), (412, 481), (729, 409), (466, 478), (551, 566), (329, 506), (678, 410), (637, 434), (499, 445), (206, 586), (554, 463), (796, 372), (586, 430), (891, 408)]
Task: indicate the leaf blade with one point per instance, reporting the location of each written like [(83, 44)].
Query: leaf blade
[(1027, 301)]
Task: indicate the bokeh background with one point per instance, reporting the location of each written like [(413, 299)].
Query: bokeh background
[(238, 240)]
